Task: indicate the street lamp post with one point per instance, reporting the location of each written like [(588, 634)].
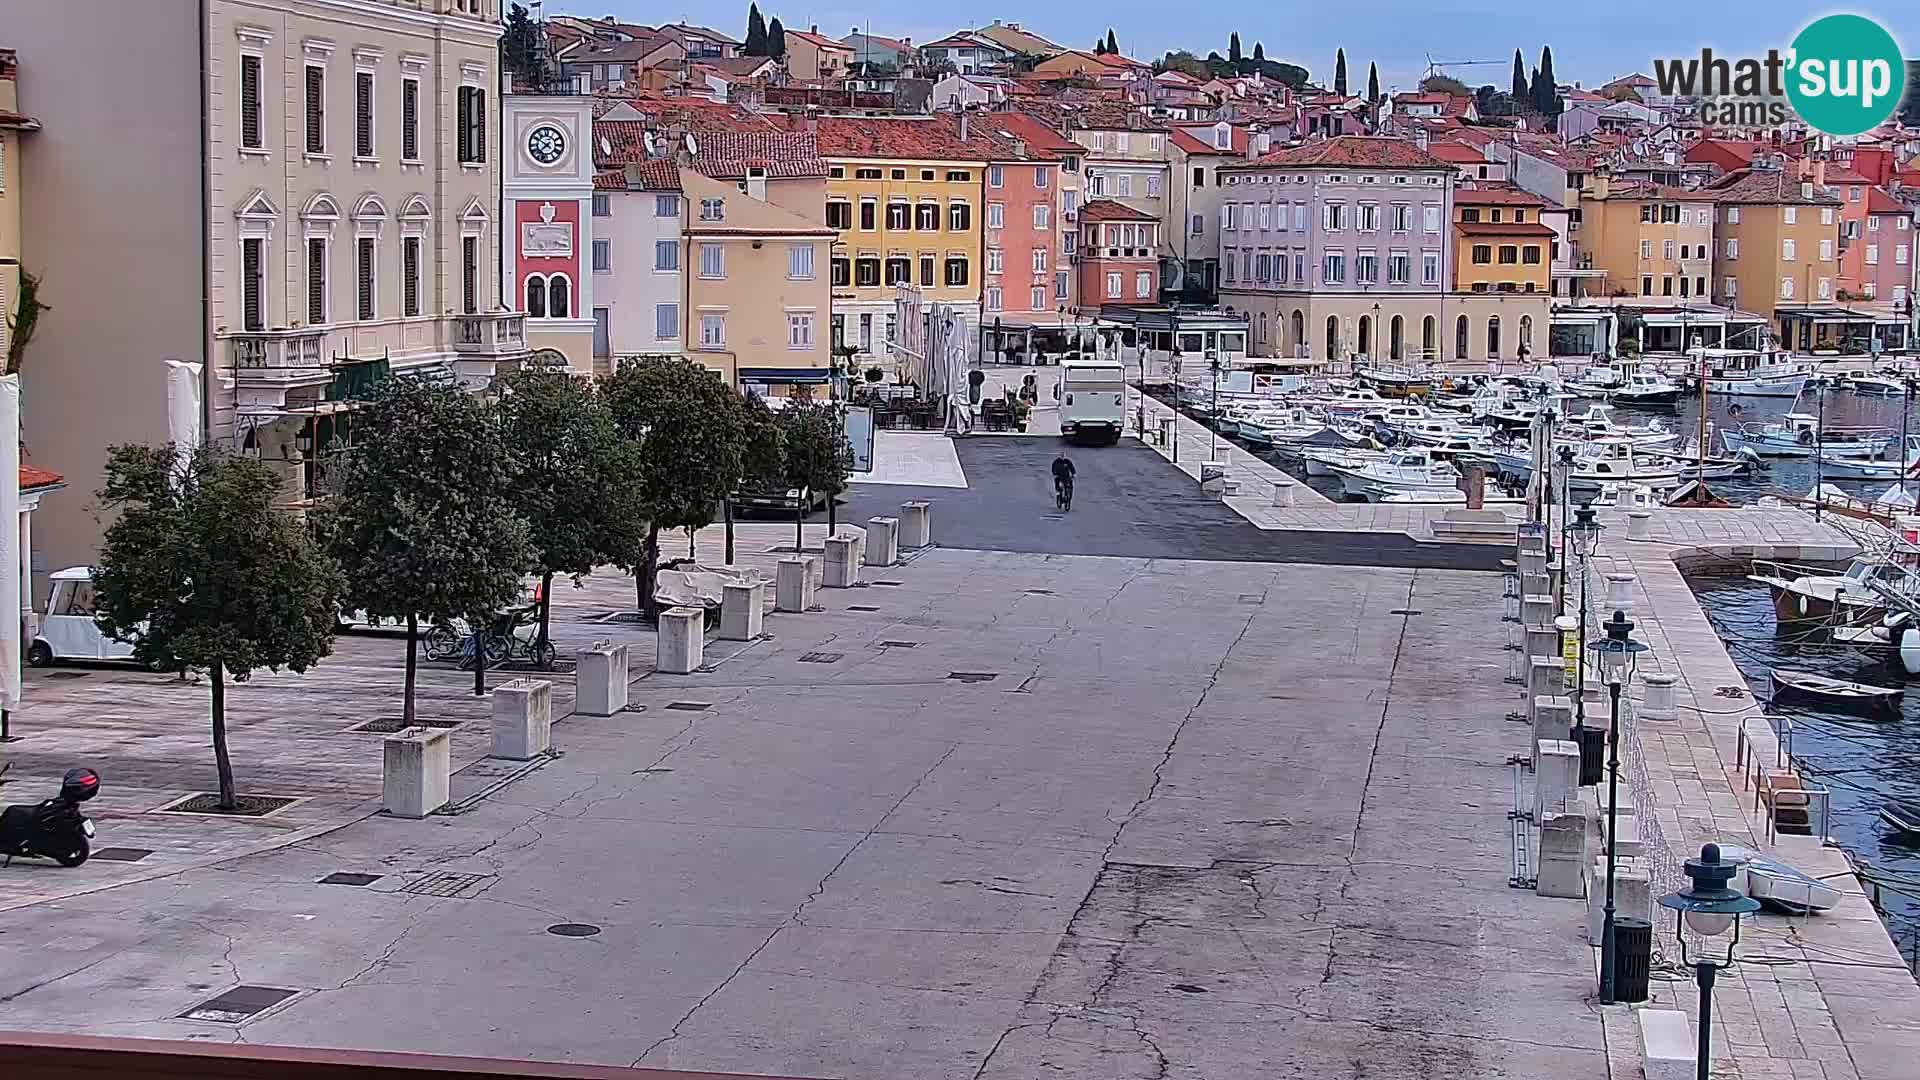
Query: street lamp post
[(1213, 429), (1585, 535), (1616, 655), (1709, 908), (1178, 387)]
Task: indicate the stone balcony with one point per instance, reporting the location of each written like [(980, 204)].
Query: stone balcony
[(278, 354), (496, 334)]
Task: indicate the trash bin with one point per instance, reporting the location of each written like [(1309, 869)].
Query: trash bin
[(1632, 958), (1593, 755)]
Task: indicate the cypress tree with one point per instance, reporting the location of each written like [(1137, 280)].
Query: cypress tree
[(776, 39), (1340, 72), (1233, 47), (1546, 93), (1113, 47), (1519, 91), (1373, 84), (756, 32), (1259, 53)]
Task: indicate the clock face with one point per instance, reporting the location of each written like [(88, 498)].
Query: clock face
[(546, 144)]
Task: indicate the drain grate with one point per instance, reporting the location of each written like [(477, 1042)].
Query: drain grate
[(861, 607), (973, 676), (1405, 611), (446, 883), (68, 674), (898, 644), (244, 805), (343, 877), (573, 929), (121, 854), (689, 706), (821, 658), (391, 725), (238, 1004)]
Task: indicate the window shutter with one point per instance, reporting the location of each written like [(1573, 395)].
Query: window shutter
[(410, 275), (316, 110), (410, 119), (479, 124), (363, 114), (250, 102), (365, 274), (316, 282), (251, 302), (470, 257), (465, 124)]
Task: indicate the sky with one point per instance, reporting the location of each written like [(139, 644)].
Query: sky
[(1593, 40)]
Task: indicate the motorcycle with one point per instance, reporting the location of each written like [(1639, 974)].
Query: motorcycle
[(55, 829)]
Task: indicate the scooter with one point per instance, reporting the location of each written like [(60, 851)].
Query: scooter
[(55, 829)]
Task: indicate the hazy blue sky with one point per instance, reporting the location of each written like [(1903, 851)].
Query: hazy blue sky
[(1593, 40)]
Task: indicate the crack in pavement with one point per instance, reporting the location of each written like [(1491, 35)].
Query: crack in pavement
[(43, 983)]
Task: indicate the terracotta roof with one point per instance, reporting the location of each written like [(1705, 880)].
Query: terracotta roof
[(1503, 228), (1108, 210), (700, 31), (18, 120), (1639, 192), (1352, 152), (965, 41), (1840, 174), (1457, 152), (739, 67), (1192, 143), (728, 155), (33, 476), (1422, 98), (1496, 196), (1773, 188), (1879, 202), (819, 41), (880, 40), (657, 174), (933, 138), (1043, 143)]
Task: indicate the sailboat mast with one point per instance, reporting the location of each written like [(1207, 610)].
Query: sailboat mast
[(1700, 476)]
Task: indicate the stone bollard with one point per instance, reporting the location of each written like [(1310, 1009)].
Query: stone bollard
[(682, 640), (1545, 676), (1552, 719), (1640, 525), (1536, 609), (416, 774), (1620, 592), (1543, 640), (600, 687), (1659, 701), (1632, 896), (916, 525), (1666, 1044), (842, 566), (793, 585), (1556, 776), (1540, 584), (1534, 564), (1283, 493), (1561, 867), (522, 719), (883, 541), (743, 605), (1213, 479)]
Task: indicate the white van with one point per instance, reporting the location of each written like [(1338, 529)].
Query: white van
[(1093, 400)]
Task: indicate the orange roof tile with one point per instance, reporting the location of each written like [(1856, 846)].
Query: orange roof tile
[(33, 476), (1108, 210), (1351, 152)]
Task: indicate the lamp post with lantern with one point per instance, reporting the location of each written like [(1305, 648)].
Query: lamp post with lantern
[(1616, 656), (1584, 534), (1709, 907)]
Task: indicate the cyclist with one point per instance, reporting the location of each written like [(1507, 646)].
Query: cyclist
[(1063, 481)]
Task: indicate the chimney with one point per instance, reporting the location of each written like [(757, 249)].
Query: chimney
[(963, 125), (1253, 143), (757, 184), (814, 28), (1820, 173), (813, 120), (1020, 149), (1806, 189)]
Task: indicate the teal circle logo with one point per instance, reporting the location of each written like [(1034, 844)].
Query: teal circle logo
[(1846, 75)]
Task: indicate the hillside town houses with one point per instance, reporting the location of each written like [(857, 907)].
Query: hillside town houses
[(372, 188)]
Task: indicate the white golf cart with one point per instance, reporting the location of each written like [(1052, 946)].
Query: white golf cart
[(68, 632)]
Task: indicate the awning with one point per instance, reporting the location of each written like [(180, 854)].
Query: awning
[(783, 374), (353, 379), (1825, 314)]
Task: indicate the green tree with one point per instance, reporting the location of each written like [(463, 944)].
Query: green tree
[(199, 570), (814, 437), (1520, 89), (1259, 53), (523, 50), (1113, 46), (1546, 96), (1184, 61), (423, 523), (22, 323), (690, 427), (575, 478), (1444, 84), (1233, 47), (1373, 83), (776, 39), (763, 456), (756, 44)]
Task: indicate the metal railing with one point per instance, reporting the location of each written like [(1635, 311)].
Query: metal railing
[(303, 349)]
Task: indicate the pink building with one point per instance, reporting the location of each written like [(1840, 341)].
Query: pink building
[(1119, 256), (1886, 249), (1023, 257)]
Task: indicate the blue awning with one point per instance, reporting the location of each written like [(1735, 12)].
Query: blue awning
[(784, 374)]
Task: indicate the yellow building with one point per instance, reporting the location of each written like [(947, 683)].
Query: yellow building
[(905, 197), (1500, 243), (1649, 240), (1778, 240), (12, 126), (758, 296)]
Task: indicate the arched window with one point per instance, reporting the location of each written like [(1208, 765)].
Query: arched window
[(1526, 334), (1333, 337), (536, 296), (1493, 337), (557, 298), (1299, 342), (1396, 331), (1460, 338), (1429, 343), (1366, 335)]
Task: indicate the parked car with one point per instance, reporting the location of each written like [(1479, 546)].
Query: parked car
[(68, 631)]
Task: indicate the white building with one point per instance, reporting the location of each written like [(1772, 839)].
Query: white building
[(637, 253)]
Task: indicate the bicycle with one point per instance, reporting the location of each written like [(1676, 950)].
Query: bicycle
[(1063, 494)]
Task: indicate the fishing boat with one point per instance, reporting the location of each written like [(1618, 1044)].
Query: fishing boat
[(1598, 423), (1800, 433), (1401, 472), (1803, 594), (1747, 372), (1779, 886), (1618, 461), (1395, 382), (1859, 469), (1323, 460), (1903, 815), (1876, 386), (1353, 402), (1834, 693), (1645, 388)]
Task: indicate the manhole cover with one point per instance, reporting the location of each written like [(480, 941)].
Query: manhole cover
[(898, 644), (896, 583), (445, 883), (1405, 611), (342, 877), (68, 674), (573, 929), (973, 676), (821, 658), (121, 854), (689, 706), (390, 725), (238, 1004), (861, 607), (244, 805)]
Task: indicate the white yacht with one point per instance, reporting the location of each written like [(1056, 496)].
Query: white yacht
[(1400, 472), (1647, 388)]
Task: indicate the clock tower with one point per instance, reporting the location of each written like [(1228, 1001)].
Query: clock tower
[(547, 185)]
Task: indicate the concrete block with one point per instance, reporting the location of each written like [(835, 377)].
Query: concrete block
[(416, 775), (1556, 777), (1561, 869), (793, 585), (682, 640), (842, 563), (1666, 1044), (916, 525), (1536, 609), (742, 607), (1659, 703), (1629, 826), (522, 719), (883, 541), (1543, 639), (1552, 718), (600, 686), (1545, 676), (1640, 525), (1533, 564), (1540, 584), (1213, 478), (1632, 896)]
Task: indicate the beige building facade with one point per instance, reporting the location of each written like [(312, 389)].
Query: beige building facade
[(759, 295)]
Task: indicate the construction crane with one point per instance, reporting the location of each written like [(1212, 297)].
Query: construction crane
[(1434, 66)]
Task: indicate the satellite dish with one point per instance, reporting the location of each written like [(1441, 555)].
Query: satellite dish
[(651, 140), (687, 141), (606, 148)]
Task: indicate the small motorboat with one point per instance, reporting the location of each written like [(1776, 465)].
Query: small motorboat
[(1876, 386), (1833, 692), (1778, 886), (1904, 816)]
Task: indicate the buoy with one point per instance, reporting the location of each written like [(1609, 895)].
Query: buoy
[(1910, 650)]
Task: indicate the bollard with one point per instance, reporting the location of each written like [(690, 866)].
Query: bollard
[(883, 541), (793, 585), (743, 605), (1283, 492), (1620, 592), (1632, 895), (916, 525), (1544, 680), (1659, 703), (1556, 775), (416, 771), (682, 640), (842, 566), (600, 686), (1533, 563), (1536, 608), (1543, 640), (522, 719), (1552, 719), (1535, 584), (1561, 867), (1640, 525)]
